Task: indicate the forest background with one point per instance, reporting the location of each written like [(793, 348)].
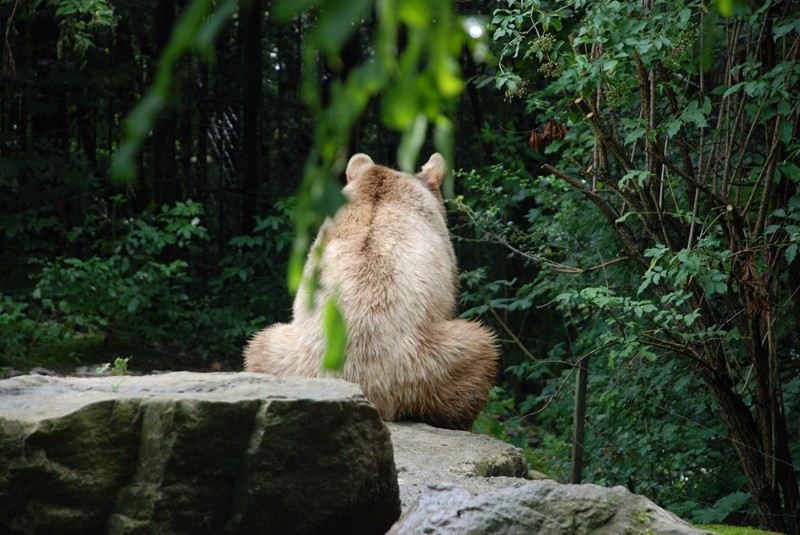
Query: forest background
[(624, 205)]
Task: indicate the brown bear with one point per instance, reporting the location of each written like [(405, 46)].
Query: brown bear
[(388, 259)]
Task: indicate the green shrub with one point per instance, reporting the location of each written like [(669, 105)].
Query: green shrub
[(145, 283)]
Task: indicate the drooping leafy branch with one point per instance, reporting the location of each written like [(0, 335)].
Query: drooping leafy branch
[(418, 83), (194, 31)]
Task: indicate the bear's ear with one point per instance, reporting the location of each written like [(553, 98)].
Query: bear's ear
[(432, 172), (358, 164)]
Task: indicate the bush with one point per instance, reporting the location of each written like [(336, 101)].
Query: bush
[(143, 282)]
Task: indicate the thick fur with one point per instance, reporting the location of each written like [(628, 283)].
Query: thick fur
[(387, 255)]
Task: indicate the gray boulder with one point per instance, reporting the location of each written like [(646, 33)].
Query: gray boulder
[(193, 453), (251, 453), (427, 456), (539, 507)]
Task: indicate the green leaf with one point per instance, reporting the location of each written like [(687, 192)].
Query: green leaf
[(732, 89), (410, 143), (327, 197), (633, 135), (725, 7), (414, 12), (400, 106), (335, 336), (283, 10), (338, 21), (66, 9), (634, 174), (610, 65), (295, 270), (715, 287), (695, 114), (783, 29), (755, 88), (673, 126), (786, 130), (448, 79), (623, 217), (790, 253)]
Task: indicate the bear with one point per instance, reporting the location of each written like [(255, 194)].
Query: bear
[(387, 257)]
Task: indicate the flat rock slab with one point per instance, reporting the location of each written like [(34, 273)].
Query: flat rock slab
[(539, 508), (193, 453)]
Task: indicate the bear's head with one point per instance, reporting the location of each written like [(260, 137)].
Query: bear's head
[(371, 183)]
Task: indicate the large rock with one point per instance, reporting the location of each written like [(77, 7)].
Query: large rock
[(539, 507), (251, 453), (193, 453)]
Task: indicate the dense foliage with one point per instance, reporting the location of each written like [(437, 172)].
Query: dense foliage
[(649, 229), (682, 137)]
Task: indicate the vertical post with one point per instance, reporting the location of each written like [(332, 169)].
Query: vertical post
[(579, 421)]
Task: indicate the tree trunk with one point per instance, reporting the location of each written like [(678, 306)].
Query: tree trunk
[(251, 21), (747, 439), (167, 187), (579, 420)]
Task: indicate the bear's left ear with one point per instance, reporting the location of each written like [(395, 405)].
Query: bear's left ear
[(432, 172), (358, 164)]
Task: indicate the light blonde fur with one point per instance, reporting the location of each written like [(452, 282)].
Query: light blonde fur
[(387, 255)]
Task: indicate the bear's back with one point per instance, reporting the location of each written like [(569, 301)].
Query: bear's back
[(389, 254)]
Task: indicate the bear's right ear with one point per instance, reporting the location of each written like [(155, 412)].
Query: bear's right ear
[(433, 171), (358, 164)]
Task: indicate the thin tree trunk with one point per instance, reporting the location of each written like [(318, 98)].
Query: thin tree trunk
[(251, 21), (166, 183), (579, 420)]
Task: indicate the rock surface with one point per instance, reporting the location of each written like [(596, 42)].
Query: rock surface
[(539, 507), (426, 456), (452, 482), (251, 453), (192, 453)]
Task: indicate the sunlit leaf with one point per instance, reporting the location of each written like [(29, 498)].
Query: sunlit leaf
[(725, 7), (410, 143), (338, 22), (415, 12), (335, 336), (400, 106), (283, 10)]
